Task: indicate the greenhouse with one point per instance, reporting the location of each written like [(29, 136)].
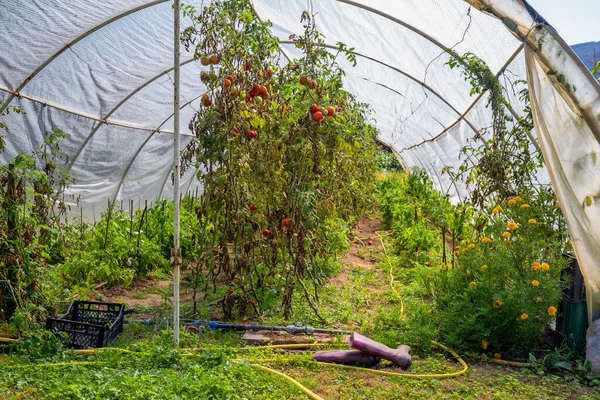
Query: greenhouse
[(422, 173)]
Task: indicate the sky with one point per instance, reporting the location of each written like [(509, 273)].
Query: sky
[(577, 21)]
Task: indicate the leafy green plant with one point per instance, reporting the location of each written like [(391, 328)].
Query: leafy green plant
[(562, 361), (38, 344), (120, 248), (32, 208), (387, 162), (409, 205)]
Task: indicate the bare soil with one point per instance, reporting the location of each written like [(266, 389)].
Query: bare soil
[(142, 293), (365, 249)]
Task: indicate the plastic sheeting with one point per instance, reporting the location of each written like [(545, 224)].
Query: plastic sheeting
[(102, 72)]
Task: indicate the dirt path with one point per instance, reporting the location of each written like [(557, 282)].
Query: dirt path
[(141, 294), (364, 252)]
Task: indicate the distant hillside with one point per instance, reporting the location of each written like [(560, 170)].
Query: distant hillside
[(585, 51)]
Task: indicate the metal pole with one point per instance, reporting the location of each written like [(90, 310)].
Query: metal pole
[(176, 252)]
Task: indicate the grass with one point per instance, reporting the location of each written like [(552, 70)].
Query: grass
[(359, 298)]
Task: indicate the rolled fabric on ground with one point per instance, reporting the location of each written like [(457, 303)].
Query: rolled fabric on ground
[(347, 357), (400, 356)]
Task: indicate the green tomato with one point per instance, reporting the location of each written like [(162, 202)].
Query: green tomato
[(258, 100)]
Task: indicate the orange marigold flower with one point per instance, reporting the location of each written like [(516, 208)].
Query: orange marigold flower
[(512, 226), (535, 283), (457, 248), (484, 344), (512, 202), (545, 267), (473, 283), (497, 303), (557, 205), (430, 277), (497, 356), (524, 205), (445, 268), (536, 265), (496, 210), (506, 234), (524, 316), (483, 267), (538, 299), (471, 246), (532, 221), (486, 240), (551, 310), (518, 198), (455, 253)]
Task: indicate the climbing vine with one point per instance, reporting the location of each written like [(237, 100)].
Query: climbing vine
[(501, 159)]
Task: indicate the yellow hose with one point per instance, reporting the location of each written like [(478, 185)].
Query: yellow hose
[(502, 362), (7, 340), (311, 395), (84, 352)]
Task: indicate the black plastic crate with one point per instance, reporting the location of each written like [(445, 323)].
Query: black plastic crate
[(89, 324)]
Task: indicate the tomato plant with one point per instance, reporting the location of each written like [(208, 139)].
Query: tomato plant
[(268, 153)]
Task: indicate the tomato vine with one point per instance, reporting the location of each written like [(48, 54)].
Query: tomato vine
[(283, 152)]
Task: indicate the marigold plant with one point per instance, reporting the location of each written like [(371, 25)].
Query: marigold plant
[(494, 293)]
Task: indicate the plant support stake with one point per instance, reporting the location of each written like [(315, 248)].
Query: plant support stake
[(176, 251)]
